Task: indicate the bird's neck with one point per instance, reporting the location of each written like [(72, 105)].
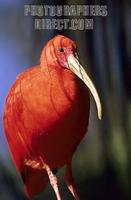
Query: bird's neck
[(62, 80)]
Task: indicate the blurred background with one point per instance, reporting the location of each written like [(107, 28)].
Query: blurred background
[(102, 162)]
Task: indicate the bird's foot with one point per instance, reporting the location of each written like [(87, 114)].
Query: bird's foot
[(70, 182)]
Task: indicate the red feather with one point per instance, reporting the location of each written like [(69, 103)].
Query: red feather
[(46, 116)]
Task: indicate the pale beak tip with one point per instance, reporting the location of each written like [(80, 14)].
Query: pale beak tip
[(100, 115)]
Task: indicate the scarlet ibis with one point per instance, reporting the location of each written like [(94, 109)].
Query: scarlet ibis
[(46, 116)]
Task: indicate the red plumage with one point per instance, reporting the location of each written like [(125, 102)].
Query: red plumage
[(46, 115)]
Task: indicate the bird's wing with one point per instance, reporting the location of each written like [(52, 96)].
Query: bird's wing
[(34, 179)]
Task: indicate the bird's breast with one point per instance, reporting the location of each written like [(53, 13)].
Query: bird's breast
[(49, 98)]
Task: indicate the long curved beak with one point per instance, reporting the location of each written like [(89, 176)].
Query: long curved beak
[(74, 65)]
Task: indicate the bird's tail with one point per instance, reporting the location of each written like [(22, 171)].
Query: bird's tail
[(35, 180)]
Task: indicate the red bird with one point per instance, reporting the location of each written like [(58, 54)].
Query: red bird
[(46, 116)]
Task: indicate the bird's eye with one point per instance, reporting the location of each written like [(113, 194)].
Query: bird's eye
[(61, 49)]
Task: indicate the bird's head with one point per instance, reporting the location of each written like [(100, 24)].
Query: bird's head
[(61, 51)]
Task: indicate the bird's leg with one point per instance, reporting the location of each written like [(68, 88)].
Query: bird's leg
[(70, 182), (53, 182), (52, 179)]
